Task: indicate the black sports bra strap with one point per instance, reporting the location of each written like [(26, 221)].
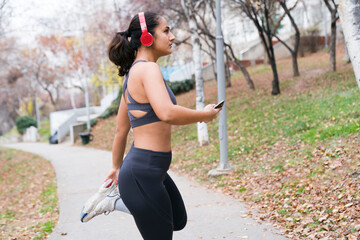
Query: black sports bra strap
[(138, 61), (127, 75)]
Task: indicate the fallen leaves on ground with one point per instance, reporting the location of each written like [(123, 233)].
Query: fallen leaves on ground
[(28, 201), (317, 197)]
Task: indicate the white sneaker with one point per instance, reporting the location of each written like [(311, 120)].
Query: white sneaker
[(101, 202)]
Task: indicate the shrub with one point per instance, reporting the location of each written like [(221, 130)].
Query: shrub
[(93, 122), (23, 122), (113, 108), (181, 86)]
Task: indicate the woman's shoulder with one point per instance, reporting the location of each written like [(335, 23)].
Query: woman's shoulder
[(148, 69), (151, 66)]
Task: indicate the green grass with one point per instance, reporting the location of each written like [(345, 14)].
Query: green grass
[(307, 117), (282, 212), (45, 227), (44, 131), (49, 199), (255, 121), (8, 214)]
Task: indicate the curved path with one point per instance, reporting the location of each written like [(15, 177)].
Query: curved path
[(80, 172)]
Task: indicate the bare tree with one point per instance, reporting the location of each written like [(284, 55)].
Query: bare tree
[(294, 51), (44, 70), (208, 36), (2, 6), (8, 103), (189, 8), (332, 6), (260, 14), (4, 43)]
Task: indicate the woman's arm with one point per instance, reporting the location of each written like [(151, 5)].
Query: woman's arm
[(119, 144), (160, 101)]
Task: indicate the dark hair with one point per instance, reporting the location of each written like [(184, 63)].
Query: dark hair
[(122, 52)]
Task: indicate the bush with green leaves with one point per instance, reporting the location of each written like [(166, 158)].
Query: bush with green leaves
[(93, 122), (24, 122), (181, 86), (113, 108)]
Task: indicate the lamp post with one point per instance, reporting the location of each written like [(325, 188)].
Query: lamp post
[(224, 166)]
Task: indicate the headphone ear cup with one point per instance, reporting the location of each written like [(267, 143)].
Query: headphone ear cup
[(146, 39)]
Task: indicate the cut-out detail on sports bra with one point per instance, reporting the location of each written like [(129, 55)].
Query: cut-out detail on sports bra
[(149, 113)]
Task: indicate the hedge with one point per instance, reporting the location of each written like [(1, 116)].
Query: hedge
[(181, 87), (24, 122)]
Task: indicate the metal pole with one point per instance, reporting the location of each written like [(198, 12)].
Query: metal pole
[(86, 82), (224, 165)]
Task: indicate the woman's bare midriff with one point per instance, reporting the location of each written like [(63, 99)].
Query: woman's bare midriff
[(154, 136)]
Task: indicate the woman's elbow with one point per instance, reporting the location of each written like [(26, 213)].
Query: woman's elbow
[(166, 116)]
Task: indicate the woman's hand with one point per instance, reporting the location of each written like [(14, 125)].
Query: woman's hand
[(211, 112), (114, 175)]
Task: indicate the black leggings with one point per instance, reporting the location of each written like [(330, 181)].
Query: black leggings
[(150, 194)]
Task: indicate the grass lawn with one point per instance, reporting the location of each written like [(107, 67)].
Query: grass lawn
[(28, 197)]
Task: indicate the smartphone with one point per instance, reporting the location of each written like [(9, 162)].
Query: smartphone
[(220, 104)]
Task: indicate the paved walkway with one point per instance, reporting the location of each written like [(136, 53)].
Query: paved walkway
[(80, 172)]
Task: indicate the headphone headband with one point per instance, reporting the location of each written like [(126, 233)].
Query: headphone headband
[(142, 22), (146, 38)]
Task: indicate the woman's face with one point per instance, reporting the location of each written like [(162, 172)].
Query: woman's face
[(163, 38)]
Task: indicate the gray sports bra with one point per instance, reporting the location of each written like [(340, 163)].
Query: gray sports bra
[(150, 115)]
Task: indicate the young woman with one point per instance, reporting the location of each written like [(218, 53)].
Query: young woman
[(149, 107)]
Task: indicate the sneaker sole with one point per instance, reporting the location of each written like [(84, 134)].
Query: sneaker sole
[(82, 215)]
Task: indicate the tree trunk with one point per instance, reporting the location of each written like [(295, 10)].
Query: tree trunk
[(295, 64), (227, 76), (270, 52), (238, 63), (294, 57), (53, 102), (275, 82), (203, 136), (227, 72), (202, 129), (72, 99), (266, 57), (333, 42), (295, 51), (346, 57), (349, 11)]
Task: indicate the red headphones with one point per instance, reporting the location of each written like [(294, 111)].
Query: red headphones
[(146, 38)]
